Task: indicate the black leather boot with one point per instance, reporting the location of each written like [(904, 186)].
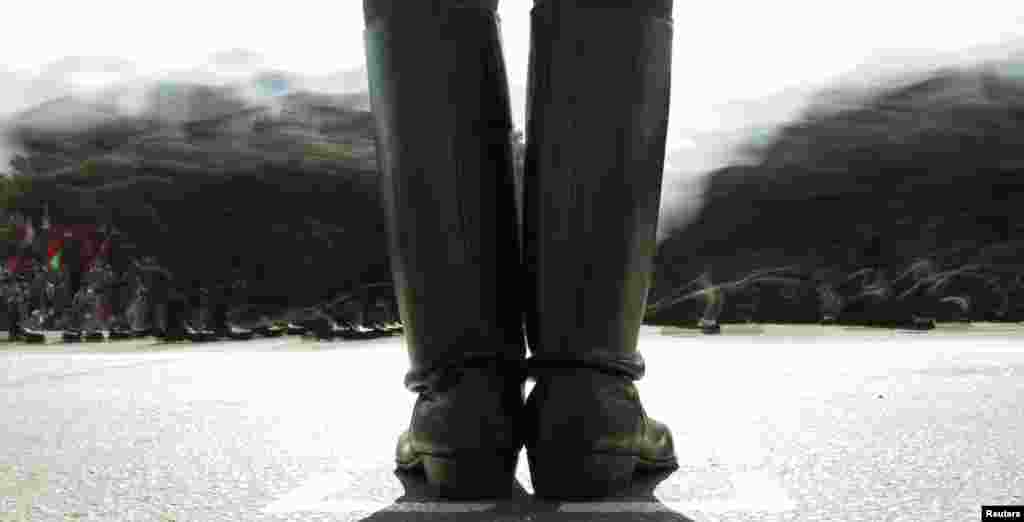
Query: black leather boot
[(29, 335), (597, 119), (444, 152)]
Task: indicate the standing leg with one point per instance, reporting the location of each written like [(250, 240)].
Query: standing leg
[(176, 309), (443, 122), (597, 119), (13, 315), (72, 261)]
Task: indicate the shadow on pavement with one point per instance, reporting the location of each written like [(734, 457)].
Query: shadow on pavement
[(419, 504)]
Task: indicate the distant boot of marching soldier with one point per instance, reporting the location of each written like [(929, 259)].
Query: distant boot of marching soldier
[(198, 317), (117, 297), (38, 296), (91, 321), (140, 314), (714, 303), (74, 318), (11, 309), (176, 309), (163, 308), (119, 288), (223, 296)]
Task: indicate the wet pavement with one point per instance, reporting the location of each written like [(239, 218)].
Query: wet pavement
[(771, 423)]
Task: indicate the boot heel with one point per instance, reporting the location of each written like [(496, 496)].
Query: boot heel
[(579, 477), (474, 476)]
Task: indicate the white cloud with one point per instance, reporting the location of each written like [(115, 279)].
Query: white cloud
[(723, 51), (94, 79)]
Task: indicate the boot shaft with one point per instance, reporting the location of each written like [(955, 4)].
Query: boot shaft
[(375, 10), (444, 155), (597, 123)]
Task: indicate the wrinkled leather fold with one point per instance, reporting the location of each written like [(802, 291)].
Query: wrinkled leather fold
[(438, 379), (627, 364)]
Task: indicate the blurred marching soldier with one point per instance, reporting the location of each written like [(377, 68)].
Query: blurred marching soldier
[(219, 298), (379, 307), (714, 303), (94, 302), (914, 299), (138, 315), (162, 311), (87, 313), (38, 289), (11, 306), (15, 299), (177, 311), (18, 273), (829, 299), (72, 258), (71, 250), (118, 294), (51, 297), (197, 327), (228, 292), (120, 287)]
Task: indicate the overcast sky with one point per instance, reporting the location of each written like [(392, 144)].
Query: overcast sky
[(727, 54), (723, 49)]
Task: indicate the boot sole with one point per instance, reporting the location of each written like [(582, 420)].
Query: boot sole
[(581, 477), (464, 477)]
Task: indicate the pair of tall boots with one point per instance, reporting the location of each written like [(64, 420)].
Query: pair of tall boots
[(597, 118)]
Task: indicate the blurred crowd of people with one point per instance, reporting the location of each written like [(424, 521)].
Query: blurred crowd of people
[(90, 285), (916, 296)]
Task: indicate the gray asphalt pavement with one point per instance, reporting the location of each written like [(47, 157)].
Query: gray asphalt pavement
[(773, 423)]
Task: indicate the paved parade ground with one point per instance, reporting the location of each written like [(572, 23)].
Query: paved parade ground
[(772, 423)]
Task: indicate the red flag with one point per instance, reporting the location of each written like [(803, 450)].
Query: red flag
[(53, 249), (59, 234)]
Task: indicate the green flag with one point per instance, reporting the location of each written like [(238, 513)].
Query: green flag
[(55, 261)]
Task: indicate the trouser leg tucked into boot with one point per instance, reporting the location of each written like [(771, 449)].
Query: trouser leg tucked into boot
[(13, 320), (440, 102), (597, 119)]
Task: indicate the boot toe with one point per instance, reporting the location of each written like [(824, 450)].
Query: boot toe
[(658, 449), (461, 475), (405, 456)]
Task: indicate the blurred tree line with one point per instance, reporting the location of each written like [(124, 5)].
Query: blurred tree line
[(295, 216), (299, 222), (927, 170)]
